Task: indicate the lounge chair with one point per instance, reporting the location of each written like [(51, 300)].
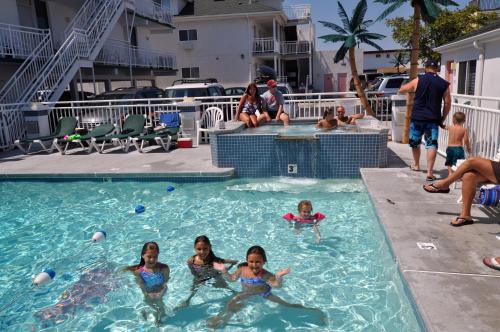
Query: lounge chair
[(133, 127), (98, 132), (164, 136), (65, 126)]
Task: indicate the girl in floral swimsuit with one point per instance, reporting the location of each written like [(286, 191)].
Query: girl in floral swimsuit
[(152, 277), (255, 280), (202, 266), (250, 107)]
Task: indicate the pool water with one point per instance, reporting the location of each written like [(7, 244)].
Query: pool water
[(350, 275), (296, 130)]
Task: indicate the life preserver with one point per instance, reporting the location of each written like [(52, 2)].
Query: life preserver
[(315, 217)]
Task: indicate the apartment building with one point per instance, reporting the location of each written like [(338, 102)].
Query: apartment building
[(50, 46), (230, 39)]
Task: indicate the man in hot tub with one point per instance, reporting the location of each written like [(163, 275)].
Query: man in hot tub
[(273, 104), (343, 119)]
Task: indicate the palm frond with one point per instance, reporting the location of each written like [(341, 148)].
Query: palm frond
[(431, 8), (358, 15), (369, 42), (343, 15), (350, 41), (334, 38), (340, 55), (385, 2), (333, 26), (390, 9), (446, 3), (371, 35)]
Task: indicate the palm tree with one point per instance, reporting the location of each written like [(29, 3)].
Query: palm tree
[(427, 10), (354, 32), (399, 60)]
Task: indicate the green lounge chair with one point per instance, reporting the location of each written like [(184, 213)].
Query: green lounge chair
[(98, 132), (65, 126), (133, 127), (163, 137)]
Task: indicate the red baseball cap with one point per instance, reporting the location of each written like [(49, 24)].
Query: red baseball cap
[(271, 83)]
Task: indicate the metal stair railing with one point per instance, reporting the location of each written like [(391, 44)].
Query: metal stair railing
[(17, 41), (28, 72), (79, 44), (11, 125), (151, 9), (84, 16)]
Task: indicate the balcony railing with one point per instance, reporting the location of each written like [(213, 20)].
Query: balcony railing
[(149, 8), (298, 12), (18, 41), (295, 47), (121, 53), (265, 45)]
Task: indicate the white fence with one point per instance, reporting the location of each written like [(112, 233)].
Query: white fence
[(298, 12), (18, 41), (482, 120)]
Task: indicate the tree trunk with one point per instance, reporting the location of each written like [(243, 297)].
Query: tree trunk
[(357, 83), (415, 48)]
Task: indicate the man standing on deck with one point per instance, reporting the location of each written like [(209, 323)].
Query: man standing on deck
[(430, 90)]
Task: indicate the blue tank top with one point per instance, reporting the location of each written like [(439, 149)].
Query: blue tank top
[(428, 98), (152, 280)]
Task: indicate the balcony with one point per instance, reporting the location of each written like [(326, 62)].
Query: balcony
[(19, 42), (121, 53), (152, 10), (265, 45), (298, 12), (295, 47)]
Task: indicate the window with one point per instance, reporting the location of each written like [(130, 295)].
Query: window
[(193, 72), (466, 77), (387, 55), (394, 83), (377, 55), (185, 35)]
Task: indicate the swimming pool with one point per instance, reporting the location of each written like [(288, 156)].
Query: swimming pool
[(350, 275)]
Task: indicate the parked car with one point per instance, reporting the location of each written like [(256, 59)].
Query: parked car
[(235, 91), (366, 80), (192, 88), (91, 118), (383, 88)]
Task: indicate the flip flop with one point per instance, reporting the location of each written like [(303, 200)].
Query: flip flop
[(431, 178), (431, 188), (494, 264), (464, 222), (415, 168)]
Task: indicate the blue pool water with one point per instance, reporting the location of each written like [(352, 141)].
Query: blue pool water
[(296, 129), (350, 276)]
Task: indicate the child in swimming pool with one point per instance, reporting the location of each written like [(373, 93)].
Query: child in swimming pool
[(255, 280), (152, 277), (328, 121), (202, 266), (305, 218)]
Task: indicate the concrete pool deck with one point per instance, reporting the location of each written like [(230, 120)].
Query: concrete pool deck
[(452, 288)]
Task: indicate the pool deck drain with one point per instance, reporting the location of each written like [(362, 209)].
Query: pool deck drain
[(451, 287)]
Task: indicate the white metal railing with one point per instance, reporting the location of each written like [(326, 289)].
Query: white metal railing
[(28, 72), (482, 120), (295, 47), (298, 12), (151, 9), (12, 125), (84, 16), (19, 42), (265, 45), (120, 52)]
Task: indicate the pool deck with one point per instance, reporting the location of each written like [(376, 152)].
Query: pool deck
[(452, 288)]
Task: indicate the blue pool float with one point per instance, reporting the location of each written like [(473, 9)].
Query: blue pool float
[(44, 277), (140, 209), (170, 188)]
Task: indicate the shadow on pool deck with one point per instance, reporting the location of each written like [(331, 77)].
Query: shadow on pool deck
[(452, 288)]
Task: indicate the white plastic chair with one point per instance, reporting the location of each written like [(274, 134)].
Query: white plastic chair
[(209, 118)]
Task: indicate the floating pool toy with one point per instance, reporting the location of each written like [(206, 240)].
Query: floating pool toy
[(489, 196), (140, 209), (44, 277), (99, 236), (170, 188), (315, 217)]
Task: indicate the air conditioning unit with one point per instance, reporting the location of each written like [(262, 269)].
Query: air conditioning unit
[(187, 45)]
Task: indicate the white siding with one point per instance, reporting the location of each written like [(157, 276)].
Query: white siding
[(323, 64), (59, 18), (8, 13)]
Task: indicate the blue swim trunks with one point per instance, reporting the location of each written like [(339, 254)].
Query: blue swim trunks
[(453, 153), (428, 130)]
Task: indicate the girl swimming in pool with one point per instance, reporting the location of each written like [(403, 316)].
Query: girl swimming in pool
[(152, 277), (328, 121), (255, 281), (202, 266), (306, 218)]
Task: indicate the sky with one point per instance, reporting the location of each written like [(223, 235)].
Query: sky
[(326, 10)]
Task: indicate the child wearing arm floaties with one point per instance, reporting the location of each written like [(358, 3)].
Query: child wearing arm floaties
[(255, 281), (306, 217), (457, 138), (202, 263), (152, 277)]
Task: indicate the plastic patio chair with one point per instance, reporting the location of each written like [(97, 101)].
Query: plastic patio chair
[(209, 118), (98, 132), (65, 126), (133, 127)]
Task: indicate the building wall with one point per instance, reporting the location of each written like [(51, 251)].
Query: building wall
[(323, 65), (491, 70), (221, 50), (59, 18), (372, 63), (8, 14)]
